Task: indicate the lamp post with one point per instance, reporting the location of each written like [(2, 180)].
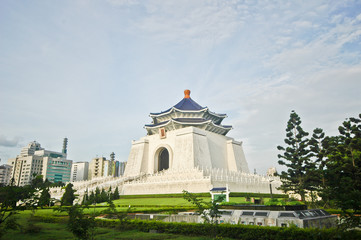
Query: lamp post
[(270, 187)]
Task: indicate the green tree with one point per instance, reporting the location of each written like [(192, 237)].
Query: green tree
[(37, 181), (68, 197), (295, 157), (122, 216), (81, 225), (98, 198), (9, 197), (92, 198), (209, 211), (110, 194), (315, 167), (116, 194), (343, 171), (44, 199), (104, 196)]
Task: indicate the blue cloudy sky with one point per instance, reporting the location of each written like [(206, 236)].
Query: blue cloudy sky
[(92, 71)]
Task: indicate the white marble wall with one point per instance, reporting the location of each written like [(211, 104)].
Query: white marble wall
[(177, 180), (188, 148)]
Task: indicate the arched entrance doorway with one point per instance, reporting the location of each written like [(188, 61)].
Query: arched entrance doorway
[(163, 159)]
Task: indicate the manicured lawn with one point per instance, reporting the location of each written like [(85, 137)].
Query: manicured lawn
[(55, 231), (154, 201), (58, 230), (170, 201)]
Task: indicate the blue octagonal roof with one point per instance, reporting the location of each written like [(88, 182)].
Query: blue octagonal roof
[(188, 104)]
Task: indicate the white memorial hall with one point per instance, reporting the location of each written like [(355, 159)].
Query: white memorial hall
[(186, 148)]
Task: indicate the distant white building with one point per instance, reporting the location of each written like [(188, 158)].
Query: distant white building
[(35, 160), (5, 173), (79, 171)]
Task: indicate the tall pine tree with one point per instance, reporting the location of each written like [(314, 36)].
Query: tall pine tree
[(68, 197), (104, 197), (110, 193), (116, 194), (315, 173), (44, 199), (343, 171), (296, 157), (98, 198)]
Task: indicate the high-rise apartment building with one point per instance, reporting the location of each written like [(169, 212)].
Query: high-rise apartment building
[(5, 172), (96, 167), (26, 165), (35, 160), (120, 168), (79, 171), (101, 167)]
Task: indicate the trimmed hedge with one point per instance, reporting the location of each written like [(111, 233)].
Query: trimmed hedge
[(257, 195), (159, 210), (244, 232)]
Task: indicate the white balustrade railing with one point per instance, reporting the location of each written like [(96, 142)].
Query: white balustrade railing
[(174, 176)]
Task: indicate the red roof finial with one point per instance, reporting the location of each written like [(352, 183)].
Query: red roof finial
[(187, 93)]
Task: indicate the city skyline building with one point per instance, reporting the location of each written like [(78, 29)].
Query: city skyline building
[(5, 173), (96, 168), (101, 167), (35, 160), (79, 171)]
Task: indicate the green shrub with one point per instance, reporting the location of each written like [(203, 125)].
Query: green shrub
[(47, 219), (32, 228), (257, 195), (244, 232), (236, 203)]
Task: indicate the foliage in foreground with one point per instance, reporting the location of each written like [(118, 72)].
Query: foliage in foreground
[(244, 232), (209, 211), (9, 197), (82, 226), (329, 167)]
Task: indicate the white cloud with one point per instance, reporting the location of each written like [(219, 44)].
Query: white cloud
[(4, 142), (123, 2), (190, 22)]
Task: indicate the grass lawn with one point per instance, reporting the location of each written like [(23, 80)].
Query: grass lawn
[(176, 202), (140, 204), (171, 201), (155, 201), (54, 231), (58, 230)]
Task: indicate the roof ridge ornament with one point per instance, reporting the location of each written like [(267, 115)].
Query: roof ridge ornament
[(187, 93)]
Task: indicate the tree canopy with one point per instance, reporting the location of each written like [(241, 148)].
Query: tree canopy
[(69, 196), (343, 170), (295, 157), (327, 165)]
